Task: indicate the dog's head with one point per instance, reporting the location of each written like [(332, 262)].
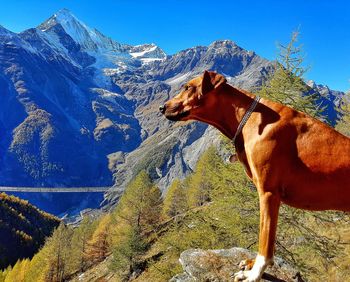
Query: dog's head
[(195, 98)]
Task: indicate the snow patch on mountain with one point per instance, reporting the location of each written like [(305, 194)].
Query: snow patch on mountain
[(179, 79), (142, 52), (147, 53)]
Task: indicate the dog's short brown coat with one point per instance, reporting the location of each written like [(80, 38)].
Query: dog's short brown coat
[(291, 157)]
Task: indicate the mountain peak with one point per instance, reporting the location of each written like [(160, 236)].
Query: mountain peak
[(65, 12), (223, 43), (88, 38), (63, 17)]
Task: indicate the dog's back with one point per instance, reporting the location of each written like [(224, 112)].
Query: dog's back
[(312, 161)]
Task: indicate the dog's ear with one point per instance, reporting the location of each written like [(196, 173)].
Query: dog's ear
[(211, 80)]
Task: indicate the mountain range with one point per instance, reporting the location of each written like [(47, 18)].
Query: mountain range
[(78, 108)]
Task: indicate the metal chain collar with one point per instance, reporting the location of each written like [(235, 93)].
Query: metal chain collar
[(245, 118)]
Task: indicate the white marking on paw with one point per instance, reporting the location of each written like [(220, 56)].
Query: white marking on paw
[(239, 276), (258, 269), (253, 275)]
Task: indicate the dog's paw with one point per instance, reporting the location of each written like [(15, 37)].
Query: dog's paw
[(246, 264), (245, 276)]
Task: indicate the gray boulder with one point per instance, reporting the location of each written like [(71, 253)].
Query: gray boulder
[(220, 265)]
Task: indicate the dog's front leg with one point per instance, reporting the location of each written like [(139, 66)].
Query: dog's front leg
[(269, 207)]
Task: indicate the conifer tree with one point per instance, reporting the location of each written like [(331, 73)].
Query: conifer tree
[(2, 275), (137, 215), (39, 266), (128, 250), (58, 248), (24, 269), (14, 272), (175, 201), (18, 272), (287, 84), (140, 205), (200, 184), (77, 261), (97, 248)]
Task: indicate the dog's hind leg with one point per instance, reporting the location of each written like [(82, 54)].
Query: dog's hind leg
[(269, 207)]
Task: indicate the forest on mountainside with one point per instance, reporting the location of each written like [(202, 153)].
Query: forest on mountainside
[(23, 229)]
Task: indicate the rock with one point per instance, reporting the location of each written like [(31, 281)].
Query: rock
[(220, 265)]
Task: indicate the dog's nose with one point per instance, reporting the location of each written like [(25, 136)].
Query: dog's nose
[(162, 109)]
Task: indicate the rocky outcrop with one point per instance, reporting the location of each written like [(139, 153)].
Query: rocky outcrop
[(220, 266)]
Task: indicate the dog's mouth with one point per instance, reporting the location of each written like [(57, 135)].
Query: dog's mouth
[(177, 116), (175, 111)]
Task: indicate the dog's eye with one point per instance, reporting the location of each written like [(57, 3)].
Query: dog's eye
[(188, 87)]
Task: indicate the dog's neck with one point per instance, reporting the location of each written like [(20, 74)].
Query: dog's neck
[(230, 106)]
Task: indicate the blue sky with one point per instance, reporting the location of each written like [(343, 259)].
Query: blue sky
[(176, 25)]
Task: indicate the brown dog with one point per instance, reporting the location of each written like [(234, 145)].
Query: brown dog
[(291, 157)]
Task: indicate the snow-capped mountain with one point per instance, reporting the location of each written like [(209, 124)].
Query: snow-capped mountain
[(88, 39), (80, 109)]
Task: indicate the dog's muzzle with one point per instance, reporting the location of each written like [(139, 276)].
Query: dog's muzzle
[(172, 112)]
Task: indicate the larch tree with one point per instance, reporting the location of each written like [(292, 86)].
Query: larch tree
[(77, 261), (58, 248), (4, 273), (175, 201), (287, 85), (39, 266), (97, 248), (140, 205), (136, 216), (127, 251), (18, 272), (200, 184)]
